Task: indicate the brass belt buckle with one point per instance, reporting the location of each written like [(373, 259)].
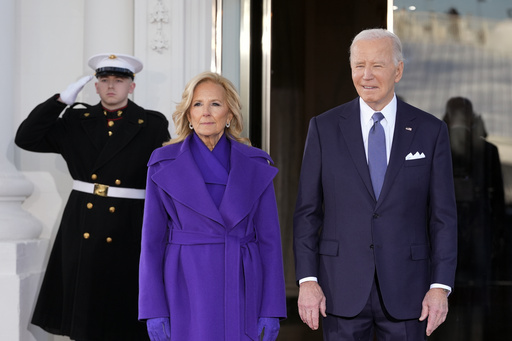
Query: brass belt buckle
[(101, 190)]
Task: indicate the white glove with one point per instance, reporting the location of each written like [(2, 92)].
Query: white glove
[(68, 96)]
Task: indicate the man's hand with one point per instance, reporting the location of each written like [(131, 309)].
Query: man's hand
[(435, 307), (69, 95), (311, 301)]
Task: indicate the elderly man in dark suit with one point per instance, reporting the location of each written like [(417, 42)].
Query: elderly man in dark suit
[(375, 230)]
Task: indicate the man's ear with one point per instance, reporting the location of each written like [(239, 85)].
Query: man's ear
[(399, 71)]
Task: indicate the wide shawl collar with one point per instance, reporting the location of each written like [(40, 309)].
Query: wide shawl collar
[(214, 165), (248, 178), (405, 128)]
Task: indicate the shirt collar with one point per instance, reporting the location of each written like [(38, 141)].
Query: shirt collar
[(389, 112)]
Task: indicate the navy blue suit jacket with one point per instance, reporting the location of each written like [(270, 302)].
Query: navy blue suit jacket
[(344, 236)]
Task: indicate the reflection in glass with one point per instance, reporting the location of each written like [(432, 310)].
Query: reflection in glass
[(480, 210), (459, 57)]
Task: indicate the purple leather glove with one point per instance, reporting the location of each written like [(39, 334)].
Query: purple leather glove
[(159, 329), (271, 326)]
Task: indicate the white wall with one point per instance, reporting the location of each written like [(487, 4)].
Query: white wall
[(53, 40), (50, 55)]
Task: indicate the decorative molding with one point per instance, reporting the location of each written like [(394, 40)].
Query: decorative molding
[(159, 16)]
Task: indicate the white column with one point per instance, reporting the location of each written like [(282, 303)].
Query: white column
[(15, 223), (174, 40), (21, 253), (108, 28)]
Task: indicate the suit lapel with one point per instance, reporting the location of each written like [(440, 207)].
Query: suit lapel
[(405, 129), (350, 126)]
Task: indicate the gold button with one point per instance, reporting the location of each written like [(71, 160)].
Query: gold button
[(89, 205), (118, 182), (110, 123), (119, 113), (94, 177), (86, 114), (112, 209), (109, 133), (140, 121), (86, 235), (109, 240), (105, 112)]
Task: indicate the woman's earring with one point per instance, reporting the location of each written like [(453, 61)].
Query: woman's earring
[(190, 126), (228, 125)]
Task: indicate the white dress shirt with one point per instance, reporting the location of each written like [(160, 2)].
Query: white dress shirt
[(388, 123)]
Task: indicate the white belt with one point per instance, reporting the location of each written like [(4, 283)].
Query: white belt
[(108, 191)]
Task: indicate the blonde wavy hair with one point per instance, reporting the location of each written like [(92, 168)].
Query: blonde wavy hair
[(232, 99)]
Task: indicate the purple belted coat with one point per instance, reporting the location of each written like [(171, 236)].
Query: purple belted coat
[(213, 271)]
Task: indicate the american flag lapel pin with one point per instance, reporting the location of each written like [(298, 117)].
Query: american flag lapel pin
[(408, 128)]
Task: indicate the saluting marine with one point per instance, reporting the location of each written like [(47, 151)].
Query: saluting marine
[(90, 288)]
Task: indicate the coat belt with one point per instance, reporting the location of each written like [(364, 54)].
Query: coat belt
[(109, 191), (235, 251)]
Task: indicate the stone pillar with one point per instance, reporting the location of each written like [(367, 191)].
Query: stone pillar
[(106, 33), (15, 223), (21, 252)]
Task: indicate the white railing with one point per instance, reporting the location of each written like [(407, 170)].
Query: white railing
[(443, 28)]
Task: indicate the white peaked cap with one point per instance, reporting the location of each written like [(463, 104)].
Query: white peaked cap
[(115, 63)]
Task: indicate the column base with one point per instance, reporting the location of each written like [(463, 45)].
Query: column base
[(22, 265)]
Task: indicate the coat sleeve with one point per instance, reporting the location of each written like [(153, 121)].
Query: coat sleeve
[(273, 303), (308, 217), (152, 296), (42, 130), (443, 213)]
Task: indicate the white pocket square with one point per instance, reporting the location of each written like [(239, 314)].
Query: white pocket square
[(416, 156)]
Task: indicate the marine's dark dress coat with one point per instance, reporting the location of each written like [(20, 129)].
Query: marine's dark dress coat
[(90, 287)]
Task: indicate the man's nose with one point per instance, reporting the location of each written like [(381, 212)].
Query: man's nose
[(367, 73)]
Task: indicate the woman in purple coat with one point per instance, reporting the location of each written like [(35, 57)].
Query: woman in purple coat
[(211, 262)]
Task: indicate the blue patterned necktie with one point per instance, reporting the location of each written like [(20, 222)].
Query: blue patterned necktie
[(377, 159)]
